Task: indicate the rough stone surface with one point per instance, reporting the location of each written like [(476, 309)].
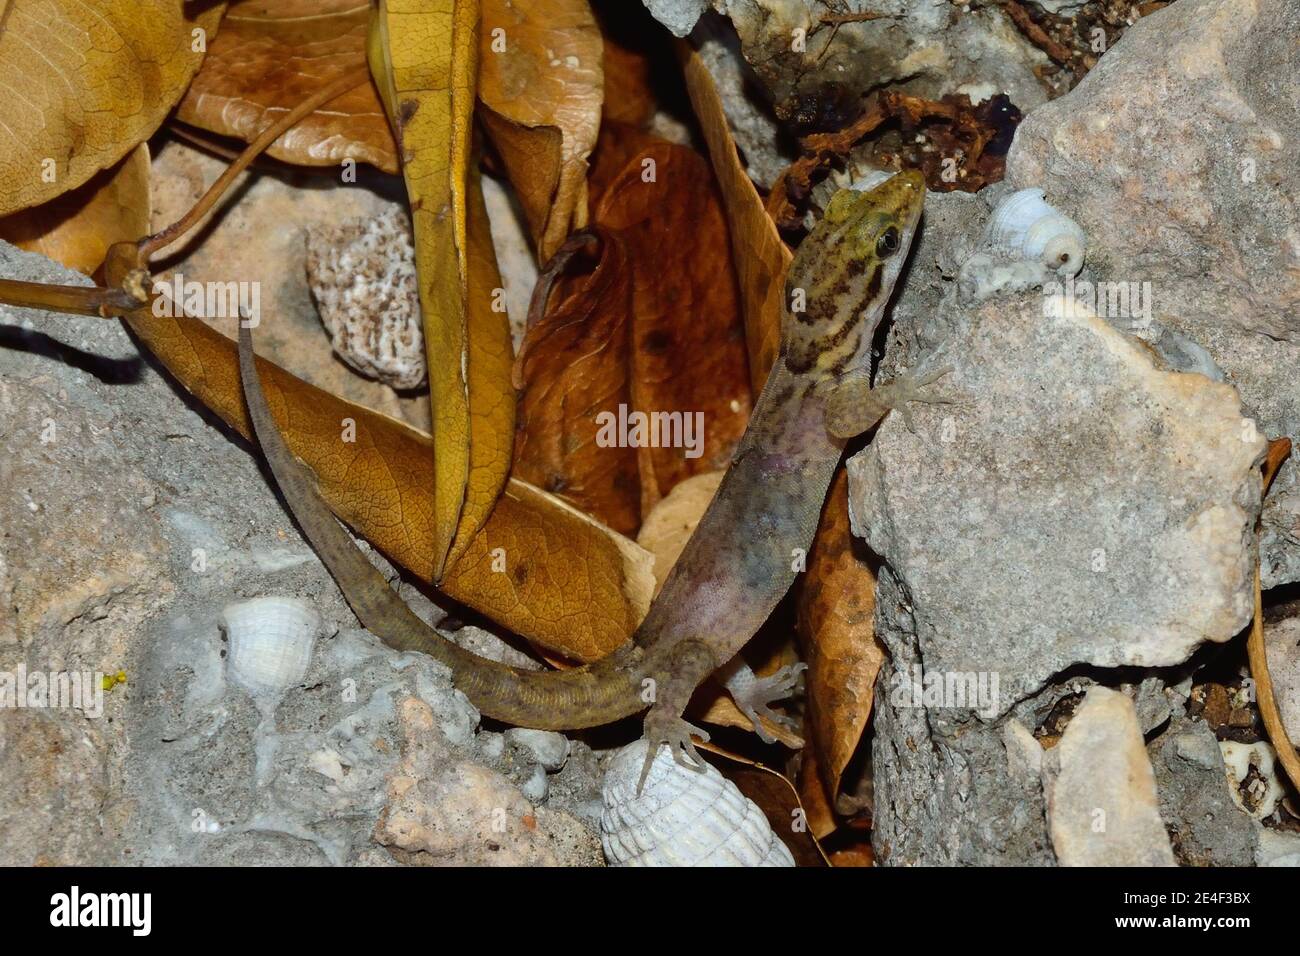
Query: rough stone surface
[(1282, 644), (1177, 156), (128, 521), (679, 16), (1080, 506), (950, 790), (929, 47), (1101, 791), (1205, 826)]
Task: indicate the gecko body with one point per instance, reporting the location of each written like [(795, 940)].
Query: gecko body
[(743, 555)]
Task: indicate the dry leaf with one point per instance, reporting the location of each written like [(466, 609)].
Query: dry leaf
[(86, 81), (77, 227), (632, 45), (568, 583), (272, 54), (760, 256), (542, 68), (836, 613), (574, 364), (424, 56), (616, 147), (688, 349), (654, 330)]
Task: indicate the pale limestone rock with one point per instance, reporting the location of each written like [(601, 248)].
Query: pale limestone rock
[(1101, 792)]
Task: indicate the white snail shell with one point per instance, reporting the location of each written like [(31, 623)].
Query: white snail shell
[(271, 640), (682, 818), (1025, 224)]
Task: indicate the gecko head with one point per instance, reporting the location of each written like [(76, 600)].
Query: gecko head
[(844, 273)]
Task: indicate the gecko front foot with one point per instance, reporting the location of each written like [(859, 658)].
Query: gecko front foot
[(665, 727), (753, 694), (853, 407)]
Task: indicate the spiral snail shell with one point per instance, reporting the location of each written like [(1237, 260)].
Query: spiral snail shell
[(1027, 225), (682, 817)]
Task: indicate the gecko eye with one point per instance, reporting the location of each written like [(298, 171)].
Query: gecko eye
[(887, 244)]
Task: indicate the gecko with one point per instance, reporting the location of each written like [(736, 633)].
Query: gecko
[(742, 557)]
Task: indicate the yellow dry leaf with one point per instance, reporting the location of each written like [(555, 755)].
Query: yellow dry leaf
[(424, 56), (77, 227), (82, 82), (543, 67), (539, 567)]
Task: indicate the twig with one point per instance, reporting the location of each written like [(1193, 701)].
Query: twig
[(1038, 36), (348, 81), (1257, 654)]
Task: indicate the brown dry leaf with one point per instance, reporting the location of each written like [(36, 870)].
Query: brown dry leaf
[(653, 330), (77, 227), (629, 95), (688, 350), (777, 798), (542, 68), (272, 54), (617, 146), (836, 612), (574, 364), (423, 54), (84, 82), (760, 256), (568, 583)]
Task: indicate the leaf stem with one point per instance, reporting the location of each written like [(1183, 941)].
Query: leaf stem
[(348, 81)]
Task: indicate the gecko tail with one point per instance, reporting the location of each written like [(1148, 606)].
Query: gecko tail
[(548, 700)]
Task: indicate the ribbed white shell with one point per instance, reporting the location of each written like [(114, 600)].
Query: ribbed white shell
[(271, 640), (1025, 224), (682, 818)]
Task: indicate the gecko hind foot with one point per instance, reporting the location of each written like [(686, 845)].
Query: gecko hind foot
[(672, 730), (753, 694)]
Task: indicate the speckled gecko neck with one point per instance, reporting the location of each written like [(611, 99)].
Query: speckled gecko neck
[(743, 555)]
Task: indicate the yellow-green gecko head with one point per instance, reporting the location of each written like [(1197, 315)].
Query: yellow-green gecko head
[(844, 273)]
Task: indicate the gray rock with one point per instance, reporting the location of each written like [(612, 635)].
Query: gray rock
[(1282, 644), (679, 16), (123, 534), (548, 748), (817, 74), (1207, 88), (949, 789), (1205, 826), (1101, 791), (1081, 506), (1278, 848), (753, 127)]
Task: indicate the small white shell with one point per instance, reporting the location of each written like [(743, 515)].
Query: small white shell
[(1025, 224), (682, 818), (271, 640)]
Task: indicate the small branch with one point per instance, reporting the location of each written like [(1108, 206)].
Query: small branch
[(348, 81), (1256, 652), (78, 300), (1038, 36)]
